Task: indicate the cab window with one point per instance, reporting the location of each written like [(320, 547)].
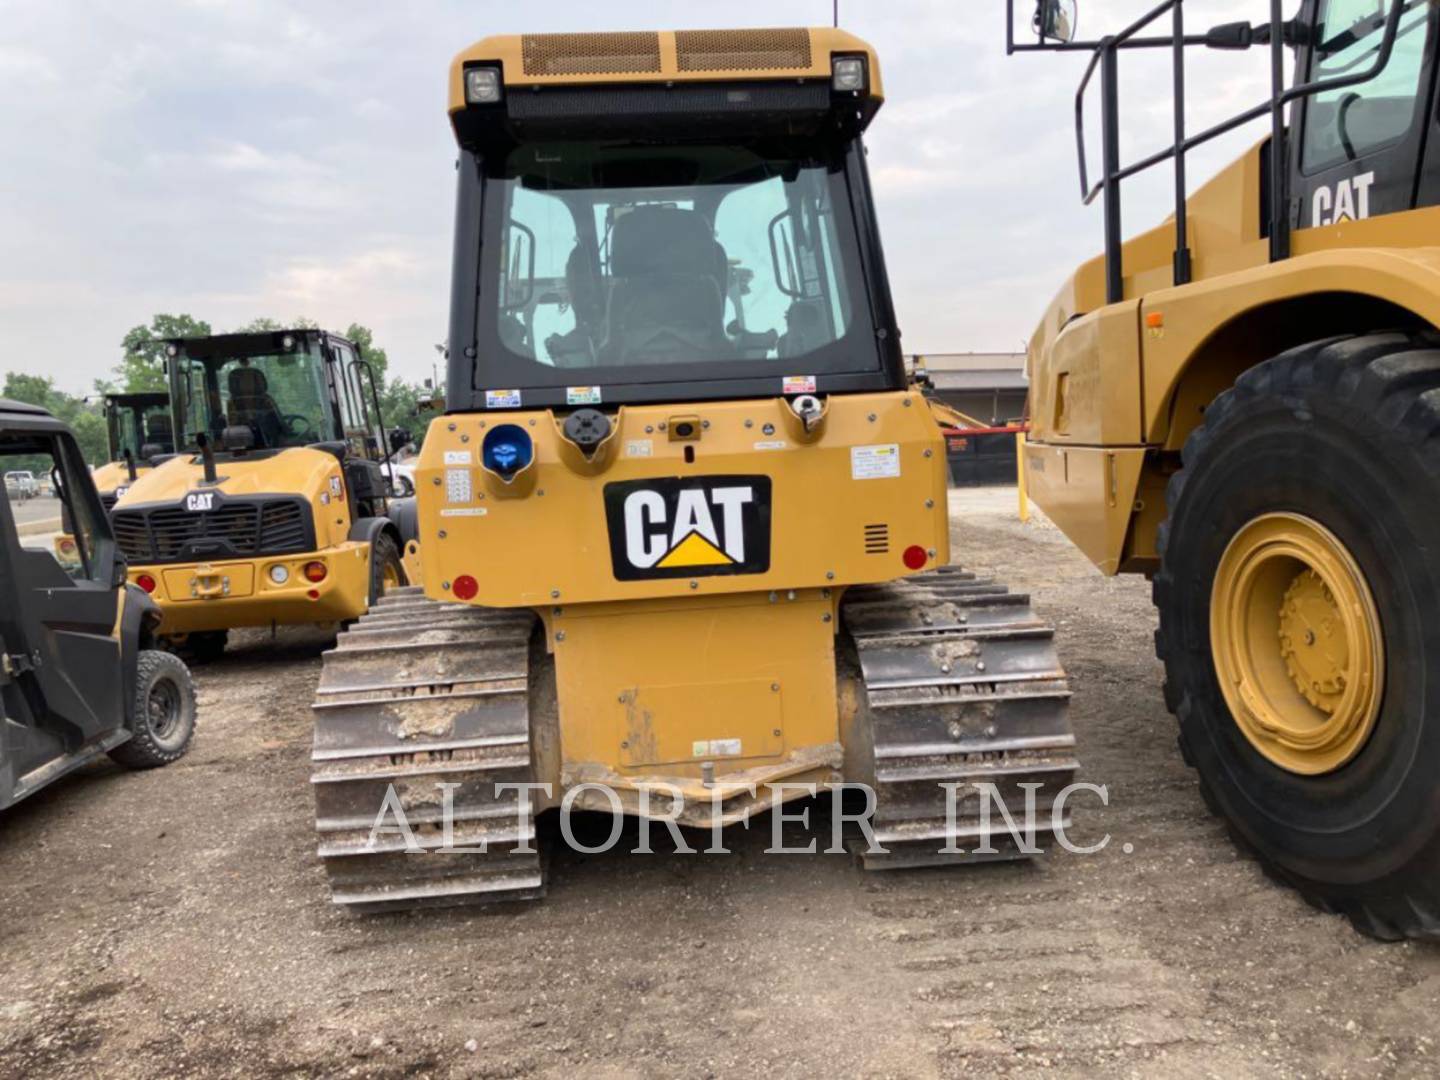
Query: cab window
[(1348, 123), (45, 485)]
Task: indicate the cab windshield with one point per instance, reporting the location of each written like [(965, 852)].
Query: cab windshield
[(136, 426), (626, 260), (280, 396)]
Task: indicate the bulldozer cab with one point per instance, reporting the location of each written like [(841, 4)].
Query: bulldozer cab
[(610, 247), (59, 610), (138, 426), (260, 393)]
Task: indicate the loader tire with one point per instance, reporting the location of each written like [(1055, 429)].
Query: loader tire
[(1332, 451), (163, 712), (387, 571)]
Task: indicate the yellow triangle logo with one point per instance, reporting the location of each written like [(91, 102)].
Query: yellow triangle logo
[(694, 550)]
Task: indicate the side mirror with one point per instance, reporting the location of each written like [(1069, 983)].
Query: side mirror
[(1055, 20)]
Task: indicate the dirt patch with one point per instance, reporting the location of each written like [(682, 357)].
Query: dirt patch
[(178, 920)]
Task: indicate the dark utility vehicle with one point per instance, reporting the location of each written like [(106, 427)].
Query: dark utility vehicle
[(79, 676)]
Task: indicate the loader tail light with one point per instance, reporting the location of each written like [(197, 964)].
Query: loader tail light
[(915, 557), (314, 571), (146, 582), (465, 587)]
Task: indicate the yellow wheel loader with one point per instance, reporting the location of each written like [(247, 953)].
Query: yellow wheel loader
[(1242, 404), (684, 523), (138, 427), (276, 510)]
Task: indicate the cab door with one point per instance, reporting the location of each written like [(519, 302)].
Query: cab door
[(60, 629), (1360, 147)]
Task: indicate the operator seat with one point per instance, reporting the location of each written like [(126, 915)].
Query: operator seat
[(159, 433), (252, 406), (667, 301)]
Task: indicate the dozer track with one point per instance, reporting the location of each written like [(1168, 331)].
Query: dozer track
[(417, 694), (962, 686)]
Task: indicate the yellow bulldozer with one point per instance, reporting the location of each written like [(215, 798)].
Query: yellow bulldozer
[(276, 510), (1242, 404), (684, 522)]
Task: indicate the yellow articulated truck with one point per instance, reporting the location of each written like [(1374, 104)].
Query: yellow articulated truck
[(138, 428), (276, 510), (684, 523), (1243, 404)]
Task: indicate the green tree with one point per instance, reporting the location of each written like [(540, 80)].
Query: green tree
[(142, 365), (266, 324)]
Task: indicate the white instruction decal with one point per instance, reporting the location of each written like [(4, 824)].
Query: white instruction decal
[(464, 511), (874, 462), (639, 448), (582, 395), (457, 457), (502, 399), (772, 444), (715, 748), (457, 485)]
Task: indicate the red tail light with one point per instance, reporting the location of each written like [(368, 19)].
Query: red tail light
[(314, 571), (146, 582), (915, 557), (465, 587)]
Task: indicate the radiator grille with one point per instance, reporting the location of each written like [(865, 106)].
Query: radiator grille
[(742, 50), (877, 539), (231, 530), (590, 54)]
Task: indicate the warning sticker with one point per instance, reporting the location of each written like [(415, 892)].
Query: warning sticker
[(502, 399), (457, 485), (874, 462), (715, 748), (582, 395), (639, 448), (457, 457), (798, 384)]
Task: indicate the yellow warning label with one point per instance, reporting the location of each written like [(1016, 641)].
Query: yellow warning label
[(694, 550)]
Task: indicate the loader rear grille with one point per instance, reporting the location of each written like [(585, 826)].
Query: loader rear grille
[(742, 50), (590, 54), (232, 529), (877, 539)]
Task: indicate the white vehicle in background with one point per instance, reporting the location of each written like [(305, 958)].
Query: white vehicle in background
[(22, 484), (401, 477)]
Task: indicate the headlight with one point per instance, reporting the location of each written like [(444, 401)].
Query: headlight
[(287, 342), (847, 74), (482, 85), (279, 575)]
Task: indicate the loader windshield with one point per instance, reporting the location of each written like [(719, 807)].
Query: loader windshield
[(280, 395), (622, 263), (137, 423)]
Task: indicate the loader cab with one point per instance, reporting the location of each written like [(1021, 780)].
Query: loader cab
[(1360, 151), (634, 242), (138, 426)]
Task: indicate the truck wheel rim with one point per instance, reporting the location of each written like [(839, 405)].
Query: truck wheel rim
[(1297, 643), (163, 707)]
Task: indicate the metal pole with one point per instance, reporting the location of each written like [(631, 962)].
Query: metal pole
[(1182, 239), (1279, 222), (1110, 154)]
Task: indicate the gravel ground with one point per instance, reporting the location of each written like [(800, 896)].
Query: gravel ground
[(178, 921)]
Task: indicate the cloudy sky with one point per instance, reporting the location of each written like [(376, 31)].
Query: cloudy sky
[(239, 158)]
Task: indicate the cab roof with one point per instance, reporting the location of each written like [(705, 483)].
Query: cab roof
[(663, 56)]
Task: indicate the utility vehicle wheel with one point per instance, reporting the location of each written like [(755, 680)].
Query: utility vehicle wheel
[(208, 646), (1299, 603), (163, 719), (386, 569)]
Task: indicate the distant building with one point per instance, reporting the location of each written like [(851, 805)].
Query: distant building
[(990, 387)]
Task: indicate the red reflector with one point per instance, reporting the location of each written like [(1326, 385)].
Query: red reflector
[(146, 582), (314, 594), (465, 587), (314, 571), (915, 557)]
